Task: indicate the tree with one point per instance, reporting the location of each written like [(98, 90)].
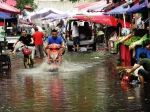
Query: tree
[(21, 4)]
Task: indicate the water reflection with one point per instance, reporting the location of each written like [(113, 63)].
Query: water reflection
[(96, 88), (57, 93), (29, 90)]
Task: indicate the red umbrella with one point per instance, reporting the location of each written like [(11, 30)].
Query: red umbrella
[(127, 25), (9, 9), (98, 19), (102, 19), (110, 20), (105, 19)]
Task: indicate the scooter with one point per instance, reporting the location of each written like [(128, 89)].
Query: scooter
[(54, 56)]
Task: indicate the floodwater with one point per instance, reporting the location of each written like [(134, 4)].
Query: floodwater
[(86, 82)]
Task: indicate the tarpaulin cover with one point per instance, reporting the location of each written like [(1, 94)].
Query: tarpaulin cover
[(5, 15), (138, 7), (119, 10)]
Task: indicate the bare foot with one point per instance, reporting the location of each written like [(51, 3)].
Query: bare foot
[(73, 49)]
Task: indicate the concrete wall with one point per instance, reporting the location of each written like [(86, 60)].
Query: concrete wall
[(60, 5)]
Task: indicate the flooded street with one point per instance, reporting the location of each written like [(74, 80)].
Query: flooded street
[(86, 82)]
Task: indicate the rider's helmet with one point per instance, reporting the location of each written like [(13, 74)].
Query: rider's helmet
[(26, 51)]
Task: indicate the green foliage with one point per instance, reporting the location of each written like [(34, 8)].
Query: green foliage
[(21, 4)]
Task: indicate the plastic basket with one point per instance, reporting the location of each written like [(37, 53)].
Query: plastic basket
[(139, 51)]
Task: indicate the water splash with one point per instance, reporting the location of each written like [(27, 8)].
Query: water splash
[(70, 67), (66, 66)]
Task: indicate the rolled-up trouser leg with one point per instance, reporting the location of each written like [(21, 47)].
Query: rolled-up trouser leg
[(41, 51), (144, 73), (37, 51), (33, 51)]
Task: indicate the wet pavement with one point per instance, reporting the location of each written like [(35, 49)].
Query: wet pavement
[(86, 82)]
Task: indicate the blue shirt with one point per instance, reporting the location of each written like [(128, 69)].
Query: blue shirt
[(51, 40)]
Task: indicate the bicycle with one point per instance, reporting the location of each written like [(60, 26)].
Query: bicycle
[(27, 61)]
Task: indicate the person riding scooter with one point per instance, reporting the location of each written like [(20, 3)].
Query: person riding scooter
[(55, 39)]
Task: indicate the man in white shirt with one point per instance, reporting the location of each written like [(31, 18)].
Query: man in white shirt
[(75, 35), (139, 22), (33, 29)]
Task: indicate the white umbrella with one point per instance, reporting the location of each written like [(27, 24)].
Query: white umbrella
[(45, 12)]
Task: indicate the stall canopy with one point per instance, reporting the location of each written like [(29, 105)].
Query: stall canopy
[(9, 9), (5, 15), (96, 9), (100, 3), (138, 7), (109, 7), (103, 19), (119, 10), (53, 16), (45, 12)]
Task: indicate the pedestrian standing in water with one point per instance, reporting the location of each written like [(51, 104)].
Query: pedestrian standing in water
[(75, 35), (38, 41)]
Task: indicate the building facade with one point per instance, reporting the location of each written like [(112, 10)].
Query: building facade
[(60, 5)]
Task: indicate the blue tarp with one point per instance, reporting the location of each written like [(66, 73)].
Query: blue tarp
[(138, 8), (5, 15), (119, 10)]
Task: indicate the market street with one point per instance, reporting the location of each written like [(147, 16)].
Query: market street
[(86, 82)]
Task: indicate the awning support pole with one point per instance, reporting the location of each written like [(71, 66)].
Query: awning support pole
[(131, 23), (149, 21)]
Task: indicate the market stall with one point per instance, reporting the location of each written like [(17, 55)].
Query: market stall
[(129, 47)]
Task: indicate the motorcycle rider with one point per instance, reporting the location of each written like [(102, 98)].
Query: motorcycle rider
[(55, 38), (25, 39)]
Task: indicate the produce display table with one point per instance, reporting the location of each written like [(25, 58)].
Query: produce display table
[(125, 53)]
